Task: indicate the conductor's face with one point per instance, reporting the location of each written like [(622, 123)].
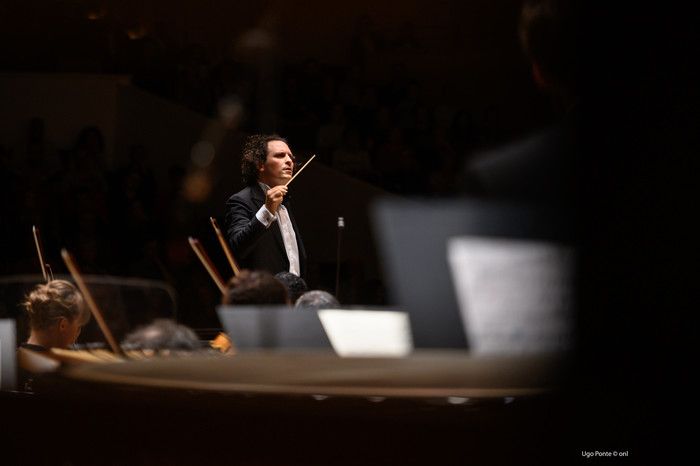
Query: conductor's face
[(278, 166)]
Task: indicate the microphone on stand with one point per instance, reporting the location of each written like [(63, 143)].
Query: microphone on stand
[(341, 226)]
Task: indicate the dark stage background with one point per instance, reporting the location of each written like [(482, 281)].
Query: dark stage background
[(123, 122)]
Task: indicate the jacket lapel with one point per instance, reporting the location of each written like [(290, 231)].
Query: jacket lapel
[(258, 196)]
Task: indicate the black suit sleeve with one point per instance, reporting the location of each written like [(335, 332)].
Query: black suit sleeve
[(243, 227)]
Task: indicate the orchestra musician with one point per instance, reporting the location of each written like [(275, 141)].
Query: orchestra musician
[(57, 312), (317, 299), (255, 287), (161, 335), (295, 285), (260, 226)]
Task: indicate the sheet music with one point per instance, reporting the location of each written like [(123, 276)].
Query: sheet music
[(515, 296), (8, 366), (361, 333)]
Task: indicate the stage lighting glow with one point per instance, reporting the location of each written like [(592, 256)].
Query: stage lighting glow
[(202, 154)]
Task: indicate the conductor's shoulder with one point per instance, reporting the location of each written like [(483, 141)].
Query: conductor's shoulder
[(244, 194)]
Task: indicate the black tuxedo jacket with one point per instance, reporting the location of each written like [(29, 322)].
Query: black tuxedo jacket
[(253, 245)]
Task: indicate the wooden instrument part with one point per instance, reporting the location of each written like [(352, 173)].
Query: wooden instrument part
[(223, 343), (92, 305), (224, 245), (207, 263), (40, 252)]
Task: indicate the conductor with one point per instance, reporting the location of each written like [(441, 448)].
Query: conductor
[(260, 226)]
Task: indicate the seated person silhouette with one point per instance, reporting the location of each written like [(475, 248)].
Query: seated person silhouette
[(255, 287), (317, 299), (162, 335), (57, 312), (295, 285)]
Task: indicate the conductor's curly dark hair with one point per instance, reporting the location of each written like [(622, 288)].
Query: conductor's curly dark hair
[(255, 154)]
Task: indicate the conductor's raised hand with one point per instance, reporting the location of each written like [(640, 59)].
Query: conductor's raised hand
[(274, 197)]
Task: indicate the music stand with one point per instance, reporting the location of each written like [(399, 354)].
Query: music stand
[(278, 328)]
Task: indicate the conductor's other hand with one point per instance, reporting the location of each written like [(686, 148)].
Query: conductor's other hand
[(274, 197)]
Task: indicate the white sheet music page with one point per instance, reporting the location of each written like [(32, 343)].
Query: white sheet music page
[(8, 358), (515, 296), (367, 333)]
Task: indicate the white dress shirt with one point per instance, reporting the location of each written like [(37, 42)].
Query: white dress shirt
[(288, 236)]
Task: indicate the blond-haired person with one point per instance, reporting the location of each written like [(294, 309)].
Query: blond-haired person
[(56, 312)]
